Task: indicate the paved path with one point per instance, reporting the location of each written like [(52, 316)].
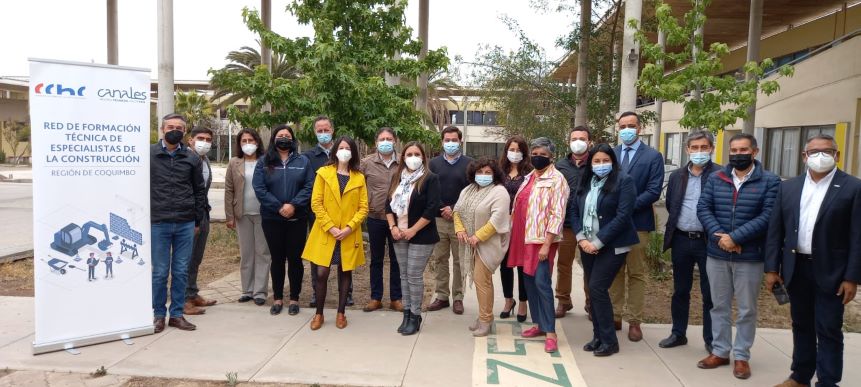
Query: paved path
[(16, 218), (244, 338)]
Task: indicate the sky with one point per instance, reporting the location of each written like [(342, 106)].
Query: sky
[(206, 30)]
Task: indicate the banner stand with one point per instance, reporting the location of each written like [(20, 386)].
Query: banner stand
[(77, 343)]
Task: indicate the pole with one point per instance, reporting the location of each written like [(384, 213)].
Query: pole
[(696, 93), (113, 50), (422, 82), (265, 52), (630, 57), (659, 103), (581, 114), (754, 33), (165, 59)]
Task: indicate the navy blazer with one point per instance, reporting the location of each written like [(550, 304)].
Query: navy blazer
[(614, 214), (647, 170), (836, 233), (677, 188)]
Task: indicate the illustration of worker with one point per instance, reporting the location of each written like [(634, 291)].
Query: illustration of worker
[(109, 265), (92, 261)]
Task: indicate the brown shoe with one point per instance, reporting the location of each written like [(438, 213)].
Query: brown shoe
[(190, 309), (340, 321), (562, 309), (741, 370), (457, 308), (791, 383), (316, 322), (200, 301), (373, 305), (617, 324), (397, 306), (712, 361), (181, 323), (634, 332), (437, 304), (158, 324)]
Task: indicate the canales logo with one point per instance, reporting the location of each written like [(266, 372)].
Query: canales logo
[(123, 95), (59, 89)]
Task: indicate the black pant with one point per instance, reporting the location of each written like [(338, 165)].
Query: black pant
[(817, 319), (197, 251), (601, 269), (507, 275), (286, 241), (380, 235), (686, 253)]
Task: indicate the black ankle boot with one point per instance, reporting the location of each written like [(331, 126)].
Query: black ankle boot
[(407, 315), (413, 325)]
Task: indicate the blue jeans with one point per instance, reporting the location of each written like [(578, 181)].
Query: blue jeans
[(686, 253), (171, 254), (540, 291), (739, 280), (380, 235)]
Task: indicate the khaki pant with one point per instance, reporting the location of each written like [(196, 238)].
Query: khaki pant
[(254, 255), (568, 254), (445, 248), (634, 271), (483, 290)]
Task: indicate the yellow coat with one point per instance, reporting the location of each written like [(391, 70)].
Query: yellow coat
[(334, 210)]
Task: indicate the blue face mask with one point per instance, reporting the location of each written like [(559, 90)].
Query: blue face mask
[(483, 180), (602, 169), (324, 138), (451, 148), (700, 158), (385, 147), (628, 135)]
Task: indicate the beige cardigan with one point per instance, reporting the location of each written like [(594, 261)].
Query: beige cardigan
[(492, 209)]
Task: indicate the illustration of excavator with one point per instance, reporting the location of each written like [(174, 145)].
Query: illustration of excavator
[(72, 237)]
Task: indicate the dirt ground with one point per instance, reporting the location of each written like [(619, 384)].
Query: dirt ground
[(164, 382)]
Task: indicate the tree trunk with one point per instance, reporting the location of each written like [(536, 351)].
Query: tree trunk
[(422, 83), (581, 115)]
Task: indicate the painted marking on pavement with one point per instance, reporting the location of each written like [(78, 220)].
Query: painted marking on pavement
[(505, 359)]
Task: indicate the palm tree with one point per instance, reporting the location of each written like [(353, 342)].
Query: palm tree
[(196, 108), (440, 86), (245, 60)]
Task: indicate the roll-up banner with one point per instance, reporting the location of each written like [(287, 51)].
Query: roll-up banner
[(91, 216)]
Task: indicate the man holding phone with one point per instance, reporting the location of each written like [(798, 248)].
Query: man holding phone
[(813, 251)]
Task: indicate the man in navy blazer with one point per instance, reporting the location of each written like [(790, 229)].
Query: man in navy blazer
[(646, 166), (814, 250)]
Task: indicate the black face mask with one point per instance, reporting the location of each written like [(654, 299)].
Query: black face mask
[(540, 162), (741, 161), (173, 137), (284, 143)]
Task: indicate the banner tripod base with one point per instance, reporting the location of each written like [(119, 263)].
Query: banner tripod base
[(70, 349), (127, 339)]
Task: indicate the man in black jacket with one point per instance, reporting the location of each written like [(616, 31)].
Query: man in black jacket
[(177, 207), (685, 235), (813, 248)]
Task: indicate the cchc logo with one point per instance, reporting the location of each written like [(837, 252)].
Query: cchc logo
[(58, 89)]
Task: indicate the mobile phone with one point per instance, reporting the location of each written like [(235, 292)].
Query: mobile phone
[(780, 293)]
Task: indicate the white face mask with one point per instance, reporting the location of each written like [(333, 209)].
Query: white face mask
[(344, 155), (249, 149), (202, 147), (413, 162), (515, 157), (578, 147), (820, 162)]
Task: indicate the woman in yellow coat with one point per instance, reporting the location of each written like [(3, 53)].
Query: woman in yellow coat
[(340, 202)]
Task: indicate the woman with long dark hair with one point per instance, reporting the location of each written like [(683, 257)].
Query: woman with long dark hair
[(411, 211), (601, 219), (243, 214), (283, 180), (515, 166), (340, 202)]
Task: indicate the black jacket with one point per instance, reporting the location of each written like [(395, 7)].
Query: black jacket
[(177, 189), (836, 234), (677, 187), (317, 156), (572, 175), (424, 203), (284, 182), (615, 214)]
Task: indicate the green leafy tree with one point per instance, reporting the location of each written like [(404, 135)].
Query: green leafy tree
[(724, 99), (342, 71), (196, 108), (244, 61)]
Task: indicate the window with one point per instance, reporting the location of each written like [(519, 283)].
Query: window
[(490, 118), (481, 149), (456, 117), (475, 117), (784, 146), (674, 149)]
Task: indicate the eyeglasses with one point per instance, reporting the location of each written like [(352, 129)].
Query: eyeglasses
[(629, 126), (818, 152)]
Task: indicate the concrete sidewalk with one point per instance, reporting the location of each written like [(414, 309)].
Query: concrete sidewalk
[(244, 338)]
